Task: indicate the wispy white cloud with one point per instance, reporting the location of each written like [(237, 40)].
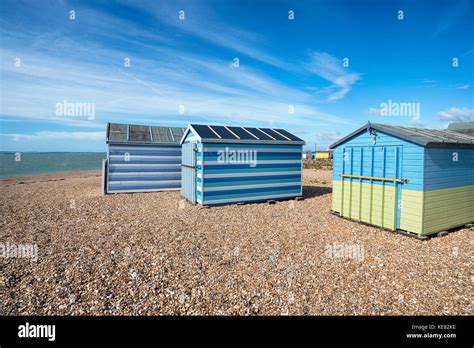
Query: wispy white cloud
[(205, 87), (210, 28), (455, 114), (165, 73), (46, 135), (463, 86), (456, 11), (331, 69), (322, 140)]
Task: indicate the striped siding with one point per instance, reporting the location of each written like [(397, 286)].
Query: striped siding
[(148, 168), (277, 174), (188, 183)]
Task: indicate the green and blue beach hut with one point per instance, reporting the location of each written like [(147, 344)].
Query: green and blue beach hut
[(410, 179)]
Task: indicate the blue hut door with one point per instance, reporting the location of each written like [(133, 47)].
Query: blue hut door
[(371, 190), (188, 172)]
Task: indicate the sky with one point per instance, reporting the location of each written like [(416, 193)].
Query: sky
[(319, 69)]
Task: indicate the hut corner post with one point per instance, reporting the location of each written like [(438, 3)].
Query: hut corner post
[(104, 176)]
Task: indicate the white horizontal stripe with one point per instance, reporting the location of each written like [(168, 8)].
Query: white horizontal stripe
[(143, 156), (260, 149), (258, 162), (142, 173), (199, 163), (154, 148), (127, 182), (244, 199), (113, 165), (144, 190), (199, 175), (225, 188), (230, 175)]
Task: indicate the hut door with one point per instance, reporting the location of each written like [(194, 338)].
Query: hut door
[(371, 186), (188, 172)]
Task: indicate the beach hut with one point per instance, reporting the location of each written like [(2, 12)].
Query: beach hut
[(416, 180), (462, 127), (225, 165), (322, 154), (142, 158)]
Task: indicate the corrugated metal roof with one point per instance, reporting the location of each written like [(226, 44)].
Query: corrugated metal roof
[(138, 134), (228, 134), (462, 127), (421, 136)]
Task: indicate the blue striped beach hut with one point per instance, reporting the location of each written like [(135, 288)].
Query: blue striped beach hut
[(142, 158), (227, 165)]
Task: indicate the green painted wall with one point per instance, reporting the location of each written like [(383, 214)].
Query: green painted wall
[(421, 212), (447, 208), (374, 204), (411, 211)]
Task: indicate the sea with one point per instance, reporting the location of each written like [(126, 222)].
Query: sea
[(31, 163)]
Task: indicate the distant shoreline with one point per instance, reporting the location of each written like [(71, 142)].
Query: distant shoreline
[(52, 176), (38, 152), (24, 164)]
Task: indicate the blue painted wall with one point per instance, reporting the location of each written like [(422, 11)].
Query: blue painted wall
[(148, 168), (442, 172), (411, 166)]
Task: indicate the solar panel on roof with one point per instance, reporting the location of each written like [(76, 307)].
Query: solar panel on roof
[(204, 131), (260, 135), (117, 136), (143, 134), (139, 133), (161, 135), (289, 135), (116, 127), (177, 130), (241, 133), (177, 133), (274, 134), (159, 130), (134, 128), (224, 133)]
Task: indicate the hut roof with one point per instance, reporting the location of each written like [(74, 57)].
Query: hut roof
[(462, 127), (249, 135), (421, 136), (137, 134)]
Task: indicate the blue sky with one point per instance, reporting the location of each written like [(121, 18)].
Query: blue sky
[(292, 73)]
